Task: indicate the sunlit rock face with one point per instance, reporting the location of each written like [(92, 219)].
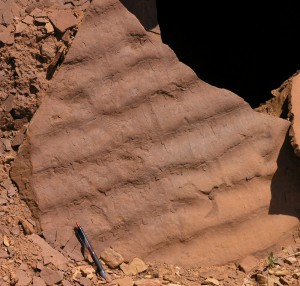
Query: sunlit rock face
[(147, 157)]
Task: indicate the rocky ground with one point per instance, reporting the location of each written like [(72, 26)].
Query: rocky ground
[(34, 39)]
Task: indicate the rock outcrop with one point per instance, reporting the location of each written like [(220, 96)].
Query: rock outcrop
[(147, 157)]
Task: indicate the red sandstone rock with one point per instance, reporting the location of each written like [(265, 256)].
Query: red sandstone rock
[(7, 36), (62, 20), (150, 159), (295, 111)]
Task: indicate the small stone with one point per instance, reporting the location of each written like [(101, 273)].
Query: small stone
[(135, 267), (20, 27), (148, 282), (8, 103), (248, 263), (261, 279), (41, 20), (38, 281), (112, 258), (7, 36), (49, 28), (11, 191), (27, 227), (211, 281), (291, 260), (48, 49), (63, 20), (50, 276), (85, 281), (296, 275), (18, 139), (23, 278), (5, 240), (126, 281), (5, 278), (37, 12), (7, 144), (282, 272), (28, 20)]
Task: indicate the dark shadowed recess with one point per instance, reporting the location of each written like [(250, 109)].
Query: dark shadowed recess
[(247, 47), (144, 10), (285, 186)]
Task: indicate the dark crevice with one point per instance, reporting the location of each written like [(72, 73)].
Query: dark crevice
[(246, 48)]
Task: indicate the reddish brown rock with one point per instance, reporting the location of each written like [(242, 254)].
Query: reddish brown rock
[(295, 113), (50, 276), (23, 277), (49, 254), (38, 281), (248, 263), (126, 281), (150, 159), (147, 282), (7, 36), (63, 20)]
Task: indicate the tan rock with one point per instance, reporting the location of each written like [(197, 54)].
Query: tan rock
[(281, 272), (126, 281), (27, 226), (49, 28), (134, 267), (147, 282), (211, 281), (112, 258), (5, 240)]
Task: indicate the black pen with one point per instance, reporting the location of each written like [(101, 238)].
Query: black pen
[(83, 238)]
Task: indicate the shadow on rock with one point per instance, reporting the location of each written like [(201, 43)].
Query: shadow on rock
[(145, 11), (285, 185)]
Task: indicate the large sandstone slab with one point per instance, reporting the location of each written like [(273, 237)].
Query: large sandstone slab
[(147, 157)]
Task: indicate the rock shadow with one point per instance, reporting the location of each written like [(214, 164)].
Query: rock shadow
[(144, 10), (285, 185)]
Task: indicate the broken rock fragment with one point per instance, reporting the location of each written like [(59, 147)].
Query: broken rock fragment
[(38, 281), (112, 258), (7, 36), (62, 20), (134, 267), (50, 254), (50, 276)]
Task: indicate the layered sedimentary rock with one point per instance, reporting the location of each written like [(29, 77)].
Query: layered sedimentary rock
[(295, 113), (150, 159)]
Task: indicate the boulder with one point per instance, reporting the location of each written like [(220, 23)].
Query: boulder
[(150, 159)]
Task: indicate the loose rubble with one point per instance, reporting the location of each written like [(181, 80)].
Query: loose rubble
[(34, 39)]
